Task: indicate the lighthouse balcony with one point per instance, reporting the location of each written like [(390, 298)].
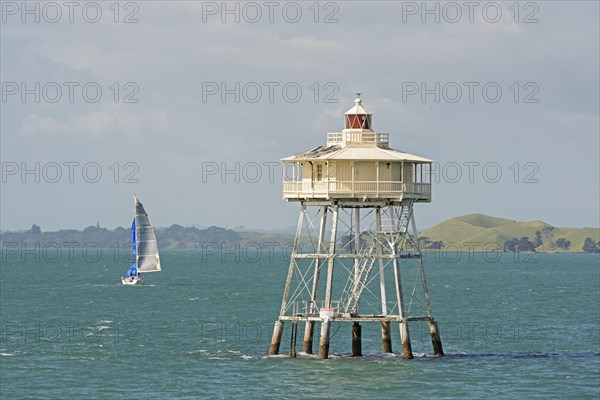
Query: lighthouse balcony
[(358, 137), (358, 190)]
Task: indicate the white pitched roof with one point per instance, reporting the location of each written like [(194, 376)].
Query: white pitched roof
[(358, 109), (357, 154)]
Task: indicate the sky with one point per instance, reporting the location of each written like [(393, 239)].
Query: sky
[(190, 105)]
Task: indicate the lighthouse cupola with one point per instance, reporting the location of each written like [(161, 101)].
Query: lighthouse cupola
[(358, 129), (358, 117)]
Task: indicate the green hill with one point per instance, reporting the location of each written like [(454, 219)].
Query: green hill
[(478, 231)]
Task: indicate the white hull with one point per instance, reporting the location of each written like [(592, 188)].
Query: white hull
[(137, 280)]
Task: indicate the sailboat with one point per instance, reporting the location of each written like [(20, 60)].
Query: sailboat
[(144, 247)]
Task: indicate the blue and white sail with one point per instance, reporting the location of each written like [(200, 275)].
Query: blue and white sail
[(132, 271), (145, 247)]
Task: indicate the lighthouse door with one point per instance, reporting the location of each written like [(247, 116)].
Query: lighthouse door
[(364, 177)]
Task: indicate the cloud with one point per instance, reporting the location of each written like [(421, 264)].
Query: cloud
[(110, 120), (99, 123), (172, 51), (34, 124), (159, 119)]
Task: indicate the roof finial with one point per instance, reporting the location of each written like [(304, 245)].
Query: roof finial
[(358, 99)]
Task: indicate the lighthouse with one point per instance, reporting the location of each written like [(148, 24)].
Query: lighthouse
[(356, 240)]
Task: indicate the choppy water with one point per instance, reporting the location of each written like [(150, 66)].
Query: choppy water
[(526, 328)]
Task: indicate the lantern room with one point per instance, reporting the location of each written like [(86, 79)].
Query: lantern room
[(356, 166), (358, 117)]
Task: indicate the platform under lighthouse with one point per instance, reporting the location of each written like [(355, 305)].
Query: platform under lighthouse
[(355, 256)]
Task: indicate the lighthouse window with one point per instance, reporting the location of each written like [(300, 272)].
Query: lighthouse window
[(358, 121), (319, 174)]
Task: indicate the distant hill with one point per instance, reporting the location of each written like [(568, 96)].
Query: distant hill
[(468, 232), (173, 237), (484, 230)]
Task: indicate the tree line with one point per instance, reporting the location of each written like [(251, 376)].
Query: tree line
[(545, 235), (173, 237)]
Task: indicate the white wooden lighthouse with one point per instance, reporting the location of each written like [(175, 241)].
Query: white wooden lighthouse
[(356, 239)]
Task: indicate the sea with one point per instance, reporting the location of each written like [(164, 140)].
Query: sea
[(521, 326)]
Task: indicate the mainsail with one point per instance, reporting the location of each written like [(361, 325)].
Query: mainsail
[(146, 248)]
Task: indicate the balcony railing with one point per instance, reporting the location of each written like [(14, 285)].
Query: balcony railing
[(327, 189), (358, 137)]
